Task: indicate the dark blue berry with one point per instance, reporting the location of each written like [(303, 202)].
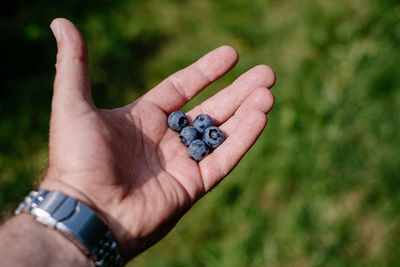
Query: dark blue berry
[(202, 122), (177, 120), (198, 150), (188, 135), (213, 136)]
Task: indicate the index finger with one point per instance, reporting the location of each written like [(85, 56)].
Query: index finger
[(175, 91)]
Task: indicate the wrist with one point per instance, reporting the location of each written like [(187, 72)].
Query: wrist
[(28, 243), (87, 226)]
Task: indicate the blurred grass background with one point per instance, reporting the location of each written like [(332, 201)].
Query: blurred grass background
[(322, 185)]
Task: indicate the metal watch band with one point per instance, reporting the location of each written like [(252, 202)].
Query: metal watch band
[(76, 221), (31, 201)]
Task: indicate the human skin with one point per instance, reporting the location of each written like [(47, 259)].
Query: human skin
[(125, 163)]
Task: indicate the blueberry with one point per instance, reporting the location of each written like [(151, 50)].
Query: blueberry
[(198, 150), (188, 135), (202, 122), (177, 120), (213, 136)]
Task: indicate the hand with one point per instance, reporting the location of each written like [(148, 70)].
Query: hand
[(126, 163)]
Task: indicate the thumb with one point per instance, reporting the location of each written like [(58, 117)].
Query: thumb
[(72, 82)]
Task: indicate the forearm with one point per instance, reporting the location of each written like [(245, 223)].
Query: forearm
[(25, 242)]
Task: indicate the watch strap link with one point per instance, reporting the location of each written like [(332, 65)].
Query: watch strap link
[(31, 201)]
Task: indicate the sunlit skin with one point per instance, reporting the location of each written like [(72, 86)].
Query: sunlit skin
[(126, 163)]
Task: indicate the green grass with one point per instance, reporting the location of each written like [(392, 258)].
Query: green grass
[(322, 185)]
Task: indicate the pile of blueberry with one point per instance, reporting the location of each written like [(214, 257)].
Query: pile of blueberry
[(200, 138)]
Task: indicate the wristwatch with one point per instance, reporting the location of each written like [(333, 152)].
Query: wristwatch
[(76, 221)]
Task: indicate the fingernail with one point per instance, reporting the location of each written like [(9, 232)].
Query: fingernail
[(55, 27)]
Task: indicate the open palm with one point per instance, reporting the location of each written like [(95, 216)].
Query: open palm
[(126, 163)]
